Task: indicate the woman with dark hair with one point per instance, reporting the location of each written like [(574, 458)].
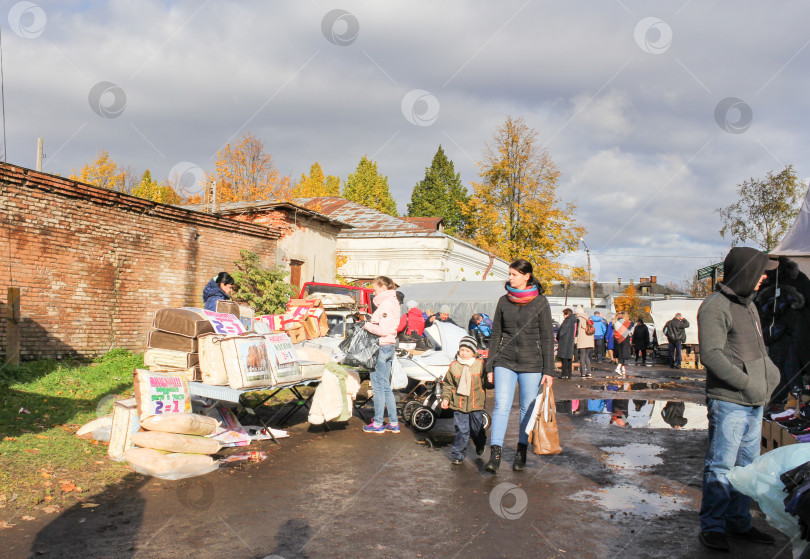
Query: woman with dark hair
[(521, 353), (565, 342), (218, 288)]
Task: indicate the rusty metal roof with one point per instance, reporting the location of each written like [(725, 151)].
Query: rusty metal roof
[(359, 216), (258, 206), (429, 223)]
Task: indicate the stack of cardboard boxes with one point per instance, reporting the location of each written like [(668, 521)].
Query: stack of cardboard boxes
[(305, 319)]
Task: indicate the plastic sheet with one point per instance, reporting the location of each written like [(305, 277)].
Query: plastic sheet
[(760, 481), (361, 349)]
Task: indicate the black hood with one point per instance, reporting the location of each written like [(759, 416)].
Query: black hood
[(742, 269)]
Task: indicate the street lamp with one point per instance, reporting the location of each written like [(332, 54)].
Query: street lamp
[(590, 281)]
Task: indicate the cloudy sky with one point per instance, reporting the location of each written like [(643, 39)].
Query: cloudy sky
[(653, 111)]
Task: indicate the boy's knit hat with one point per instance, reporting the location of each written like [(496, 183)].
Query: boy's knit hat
[(468, 342)]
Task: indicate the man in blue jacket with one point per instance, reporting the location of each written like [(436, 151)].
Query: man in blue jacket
[(600, 329), (740, 378)]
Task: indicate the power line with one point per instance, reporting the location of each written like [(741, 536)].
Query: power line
[(653, 256)]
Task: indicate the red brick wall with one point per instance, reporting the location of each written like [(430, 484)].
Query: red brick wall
[(94, 265)]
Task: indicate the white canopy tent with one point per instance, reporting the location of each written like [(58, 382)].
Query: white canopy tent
[(796, 243), (464, 298), (665, 310)]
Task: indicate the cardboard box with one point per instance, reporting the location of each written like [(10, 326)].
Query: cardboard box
[(772, 435), (310, 311), (296, 334), (786, 438)]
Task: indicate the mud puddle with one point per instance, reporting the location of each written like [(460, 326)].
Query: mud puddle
[(637, 412), (629, 386), (630, 500)]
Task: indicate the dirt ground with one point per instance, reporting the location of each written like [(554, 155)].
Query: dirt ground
[(623, 492)]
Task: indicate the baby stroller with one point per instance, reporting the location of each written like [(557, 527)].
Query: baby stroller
[(422, 405), (422, 413)]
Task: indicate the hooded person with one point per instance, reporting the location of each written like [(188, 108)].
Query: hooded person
[(412, 322), (217, 288), (740, 378)]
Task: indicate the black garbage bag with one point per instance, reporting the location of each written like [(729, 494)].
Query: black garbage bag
[(361, 349)]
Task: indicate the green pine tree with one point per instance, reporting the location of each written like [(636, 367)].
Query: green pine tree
[(441, 194), (368, 187)]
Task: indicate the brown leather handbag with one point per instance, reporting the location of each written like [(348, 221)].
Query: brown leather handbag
[(544, 437)]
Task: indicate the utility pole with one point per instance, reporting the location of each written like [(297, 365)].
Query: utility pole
[(40, 155), (590, 280)]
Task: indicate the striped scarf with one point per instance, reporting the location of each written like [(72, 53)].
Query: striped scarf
[(521, 296)]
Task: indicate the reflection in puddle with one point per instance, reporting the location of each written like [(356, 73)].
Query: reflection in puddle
[(632, 500), (622, 386), (638, 413), (634, 456)]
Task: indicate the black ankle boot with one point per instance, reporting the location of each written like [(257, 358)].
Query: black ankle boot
[(494, 459), (520, 457)]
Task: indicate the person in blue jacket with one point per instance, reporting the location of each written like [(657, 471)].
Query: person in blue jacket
[(217, 288), (600, 329)]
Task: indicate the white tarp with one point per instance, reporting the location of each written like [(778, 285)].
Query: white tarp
[(663, 311), (796, 243)]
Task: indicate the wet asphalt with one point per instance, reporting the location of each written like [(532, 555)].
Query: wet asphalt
[(614, 492)]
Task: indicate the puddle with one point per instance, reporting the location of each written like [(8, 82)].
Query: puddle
[(634, 456), (638, 413), (632, 500), (624, 386)]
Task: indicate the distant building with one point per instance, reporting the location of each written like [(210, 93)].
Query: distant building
[(308, 243), (408, 250), (604, 294)]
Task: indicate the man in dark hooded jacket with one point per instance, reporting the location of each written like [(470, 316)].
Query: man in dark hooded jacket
[(218, 288), (740, 378)]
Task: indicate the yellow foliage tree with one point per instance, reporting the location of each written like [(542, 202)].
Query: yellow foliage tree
[(104, 172), (244, 172), (515, 207), (632, 304), (316, 184), (150, 189)]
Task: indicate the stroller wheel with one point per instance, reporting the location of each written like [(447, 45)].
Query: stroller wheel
[(487, 420), (423, 419), (408, 408)]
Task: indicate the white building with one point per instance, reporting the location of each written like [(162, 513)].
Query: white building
[(408, 250)]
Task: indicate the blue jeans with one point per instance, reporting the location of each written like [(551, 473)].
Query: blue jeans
[(734, 440), (381, 385), (674, 354), (466, 424), (505, 381)]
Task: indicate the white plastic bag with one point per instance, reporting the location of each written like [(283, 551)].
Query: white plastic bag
[(760, 481), (399, 379)]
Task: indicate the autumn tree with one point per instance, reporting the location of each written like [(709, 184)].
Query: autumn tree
[(632, 304), (764, 210), (441, 194), (368, 187), (515, 207), (104, 172), (245, 172), (150, 189), (316, 184)]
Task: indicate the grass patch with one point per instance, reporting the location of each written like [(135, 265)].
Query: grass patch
[(42, 404)]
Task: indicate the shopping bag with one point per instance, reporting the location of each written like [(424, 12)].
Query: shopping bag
[(544, 436), (361, 348), (399, 379)]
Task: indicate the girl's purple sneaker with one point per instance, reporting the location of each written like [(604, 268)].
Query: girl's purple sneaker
[(392, 427), (373, 428)]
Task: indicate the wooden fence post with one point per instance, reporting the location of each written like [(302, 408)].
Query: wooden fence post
[(13, 326)]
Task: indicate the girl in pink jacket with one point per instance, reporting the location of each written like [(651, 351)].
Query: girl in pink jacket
[(384, 323)]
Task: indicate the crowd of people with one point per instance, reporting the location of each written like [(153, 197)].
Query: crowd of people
[(740, 376)]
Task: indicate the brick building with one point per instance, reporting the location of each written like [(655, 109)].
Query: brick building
[(93, 265)]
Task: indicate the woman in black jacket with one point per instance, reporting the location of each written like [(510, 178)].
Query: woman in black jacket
[(565, 342), (521, 353)]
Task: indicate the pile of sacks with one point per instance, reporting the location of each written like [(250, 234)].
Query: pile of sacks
[(157, 434)]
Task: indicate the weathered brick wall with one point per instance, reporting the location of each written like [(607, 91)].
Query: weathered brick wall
[(94, 265)]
